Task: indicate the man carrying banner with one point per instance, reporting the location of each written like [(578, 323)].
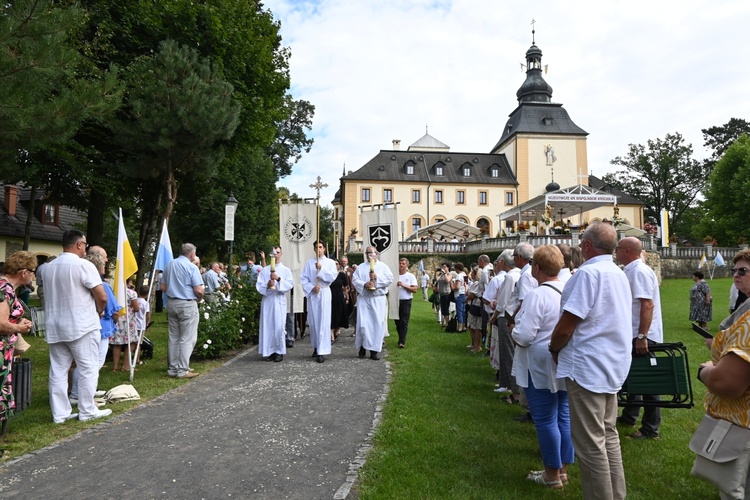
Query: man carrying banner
[(184, 288), (371, 279), (316, 280), (274, 281)]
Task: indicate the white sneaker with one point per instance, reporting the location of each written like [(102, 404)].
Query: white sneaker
[(502, 389), (63, 420), (97, 414), (73, 401), (99, 394)]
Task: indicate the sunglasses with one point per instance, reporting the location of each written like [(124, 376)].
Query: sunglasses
[(740, 270)]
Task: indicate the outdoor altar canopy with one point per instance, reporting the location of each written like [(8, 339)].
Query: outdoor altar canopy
[(448, 229), (561, 204)]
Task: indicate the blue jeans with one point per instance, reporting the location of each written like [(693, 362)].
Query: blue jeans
[(551, 416), (461, 309)]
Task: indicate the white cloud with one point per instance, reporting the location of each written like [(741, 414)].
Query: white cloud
[(626, 72)]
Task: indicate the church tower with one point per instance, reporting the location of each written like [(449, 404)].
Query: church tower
[(541, 142)]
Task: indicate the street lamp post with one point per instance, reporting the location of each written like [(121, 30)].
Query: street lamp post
[(230, 207)]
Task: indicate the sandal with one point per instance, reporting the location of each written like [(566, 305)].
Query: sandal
[(538, 477)]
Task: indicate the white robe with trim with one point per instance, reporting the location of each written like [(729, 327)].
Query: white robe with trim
[(319, 304), (372, 306), (272, 329)]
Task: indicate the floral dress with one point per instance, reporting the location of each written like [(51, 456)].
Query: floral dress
[(120, 336), (7, 346), (699, 310)]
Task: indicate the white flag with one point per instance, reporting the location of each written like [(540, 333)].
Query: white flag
[(298, 230), (380, 231)]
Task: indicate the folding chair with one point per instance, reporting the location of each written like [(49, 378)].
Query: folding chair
[(663, 372)]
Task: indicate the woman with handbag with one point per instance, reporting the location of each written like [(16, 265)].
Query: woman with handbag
[(535, 370), (19, 270), (726, 462)]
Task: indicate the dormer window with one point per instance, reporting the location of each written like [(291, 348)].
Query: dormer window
[(547, 120), (494, 172), (409, 169), (439, 169), (467, 171), (50, 214)]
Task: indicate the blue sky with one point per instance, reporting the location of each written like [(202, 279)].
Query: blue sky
[(626, 72)]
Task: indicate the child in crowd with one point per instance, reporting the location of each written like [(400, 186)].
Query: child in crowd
[(143, 316)]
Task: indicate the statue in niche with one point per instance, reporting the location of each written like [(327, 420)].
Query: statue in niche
[(550, 153)]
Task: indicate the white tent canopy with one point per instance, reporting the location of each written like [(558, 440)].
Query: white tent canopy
[(448, 228), (565, 203)]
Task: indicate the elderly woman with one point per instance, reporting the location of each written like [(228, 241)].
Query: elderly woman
[(535, 370), (19, 271), (474, 309), (727, 375), (700, 300)]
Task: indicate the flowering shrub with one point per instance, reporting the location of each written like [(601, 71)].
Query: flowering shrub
[(226, 325), (218, 328), (650, 228)]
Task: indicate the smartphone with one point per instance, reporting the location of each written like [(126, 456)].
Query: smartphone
[(702, 332)]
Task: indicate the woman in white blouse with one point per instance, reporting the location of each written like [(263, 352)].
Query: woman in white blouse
[(535, 371)]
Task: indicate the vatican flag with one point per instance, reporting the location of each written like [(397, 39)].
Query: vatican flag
[(126, 265), (703, 261)]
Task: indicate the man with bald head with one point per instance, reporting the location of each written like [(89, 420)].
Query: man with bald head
[(647, 328), (591, 343)]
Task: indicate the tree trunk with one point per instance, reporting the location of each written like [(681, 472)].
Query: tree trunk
[(27, 229), (95, 222)]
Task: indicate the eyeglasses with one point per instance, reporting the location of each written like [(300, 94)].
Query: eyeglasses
[(740, 270), (33, 271)]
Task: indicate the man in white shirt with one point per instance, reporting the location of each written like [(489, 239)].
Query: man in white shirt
[(647, 329), (522, 256), (425, 284), (591, 343), (75, 297), (407, 285)]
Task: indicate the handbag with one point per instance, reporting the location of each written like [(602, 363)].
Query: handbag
[(475, 309), (721, 460)]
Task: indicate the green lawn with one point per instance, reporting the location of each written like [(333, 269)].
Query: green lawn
[(446, 434)]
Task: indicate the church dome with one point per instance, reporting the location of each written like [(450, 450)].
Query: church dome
[(552, 186)]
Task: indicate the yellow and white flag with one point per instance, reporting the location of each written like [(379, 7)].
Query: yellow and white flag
[(703, 261), (126, 265)]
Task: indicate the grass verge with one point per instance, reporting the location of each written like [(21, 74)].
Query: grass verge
[(446, 434)]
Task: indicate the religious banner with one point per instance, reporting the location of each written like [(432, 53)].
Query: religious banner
[(380, 231), (297, 228)]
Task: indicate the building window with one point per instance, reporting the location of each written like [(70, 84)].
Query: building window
[(416, 196), (438, 220), (460, 197), (467, 171), (410, 169), (439, 170), (49, 214), (509, 197), (438, 197), (416, 224), (463, 220), (366, 195), (388, 196), (482, 197), (495, 172)]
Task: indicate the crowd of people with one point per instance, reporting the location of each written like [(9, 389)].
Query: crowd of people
[(559, 326)]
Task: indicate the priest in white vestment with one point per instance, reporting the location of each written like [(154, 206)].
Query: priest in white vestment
[(371, 280), (316, 280), (273, 286)]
